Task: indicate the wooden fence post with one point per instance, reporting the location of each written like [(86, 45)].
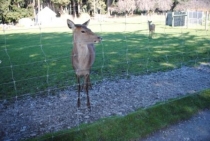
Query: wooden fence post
[(187, 22), (206, 20), (172, 14)]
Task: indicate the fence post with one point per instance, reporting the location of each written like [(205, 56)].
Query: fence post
[(172, 14), (187, 19), (206, 20)]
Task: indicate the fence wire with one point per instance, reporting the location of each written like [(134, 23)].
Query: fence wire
[(38, 62)]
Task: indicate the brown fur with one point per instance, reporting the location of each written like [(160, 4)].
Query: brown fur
[(151, 28), (83, 54)]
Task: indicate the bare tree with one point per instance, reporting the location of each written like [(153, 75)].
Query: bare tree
[(146, 5), (164, 5), (126, 6), (193, 4)]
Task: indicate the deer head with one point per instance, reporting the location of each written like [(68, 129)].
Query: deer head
[(82, 34)]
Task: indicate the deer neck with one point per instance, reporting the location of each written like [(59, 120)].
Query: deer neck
[(82, 50), (79, 46)]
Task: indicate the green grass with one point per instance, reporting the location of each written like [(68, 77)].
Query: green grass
[(38, 60), (138, 124)]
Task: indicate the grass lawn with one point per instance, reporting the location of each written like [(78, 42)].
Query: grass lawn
[(138, 124), (35, 61)]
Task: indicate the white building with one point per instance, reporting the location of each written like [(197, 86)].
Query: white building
[(45, 16)]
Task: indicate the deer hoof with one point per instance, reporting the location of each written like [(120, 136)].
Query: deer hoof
[(78, 103), (89, 108)]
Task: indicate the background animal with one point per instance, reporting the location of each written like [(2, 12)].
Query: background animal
[(151, 28)]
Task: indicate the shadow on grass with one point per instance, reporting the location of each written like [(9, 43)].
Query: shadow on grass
[(40, 62)]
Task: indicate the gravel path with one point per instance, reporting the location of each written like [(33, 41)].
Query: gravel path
[(33, 116), (195, 129)]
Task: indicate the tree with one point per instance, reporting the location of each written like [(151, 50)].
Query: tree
[(13, 10), (126, 6), (175, 3), (109, 2), (146, 5), (61, 4), (193, 4), (164, 5), (75, 7), (4, 9), (96, 6)]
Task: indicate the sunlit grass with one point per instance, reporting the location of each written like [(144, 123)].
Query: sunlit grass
[(34, 60)]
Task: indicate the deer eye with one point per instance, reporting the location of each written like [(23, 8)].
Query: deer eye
[(83, 31)]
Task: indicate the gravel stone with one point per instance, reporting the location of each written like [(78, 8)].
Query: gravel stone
[(34, 116)]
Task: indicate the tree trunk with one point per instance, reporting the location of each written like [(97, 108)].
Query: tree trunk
[(38, 6), (2, 17), (34, 10), (109, 3), (61, 9), (74, 9)]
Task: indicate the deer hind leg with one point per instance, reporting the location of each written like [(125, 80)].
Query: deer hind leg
[(150, 34), (89, 84), (154, 33), (79, 89), (87, 81)]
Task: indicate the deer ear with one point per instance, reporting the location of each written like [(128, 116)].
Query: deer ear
[(70, 24), (86, 23)]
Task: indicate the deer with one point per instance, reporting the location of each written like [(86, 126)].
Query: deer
[(151, 28), (83, 55)]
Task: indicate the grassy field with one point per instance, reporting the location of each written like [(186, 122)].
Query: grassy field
[(37, 60), (138, 124)]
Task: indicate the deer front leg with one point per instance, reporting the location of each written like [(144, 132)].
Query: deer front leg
[(79, 89), (87, 79)]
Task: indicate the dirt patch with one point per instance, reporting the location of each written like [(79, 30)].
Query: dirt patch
[(34, 116)]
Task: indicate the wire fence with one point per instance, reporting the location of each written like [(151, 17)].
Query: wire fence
[(36, 62)]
